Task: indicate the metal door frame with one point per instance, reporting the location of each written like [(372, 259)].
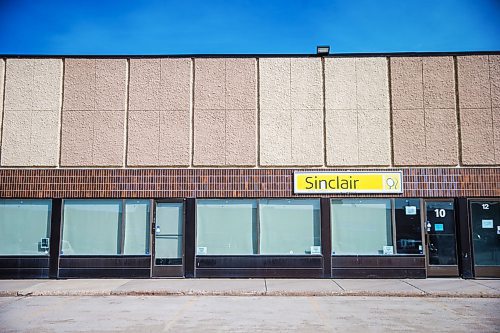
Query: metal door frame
[(439, 270), (167, 270)]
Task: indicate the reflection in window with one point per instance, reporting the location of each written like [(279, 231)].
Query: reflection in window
[(25, 227), (485, 219), (361, 226), (408, 226)]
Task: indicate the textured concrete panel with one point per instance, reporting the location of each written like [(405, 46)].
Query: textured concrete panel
[(406, 83), (341, 137), (175, 93), (209, 137), (79, 87), (275, 137), (374, 137), (241, 84), (45, 138), (144, 85), (77, 138), (175, 138), (274, 74), (16, 143), (95, 84), (473, 82), (109, 138), (33, 84), (2, 75), (439, 82), (241, 137), (143, 138), (209, 85), (340, 83), (372, 87), (306, 83), (441, 137), (409, 137), (496, 134), (477, 137), (307, 137), (495, 80)]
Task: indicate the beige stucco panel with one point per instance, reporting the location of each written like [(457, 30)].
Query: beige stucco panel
[(473, 82), (275, 137), (209, 85), (175, 138), (274, 89), (16, 143), (209, 138), (77, 138), (306, 83), (372, 86), (109, 138), (175, 93), (111, 84), (409, 137), (477, 137), (33, 84), (45, 138), (241, 84), (374, 137), (439, 82), (342, 137), (143, 138), (496, 134), (2, 75), (495, 80), (340, 83), (406, 83), (441, 136), (79, 85), (144, 85), (241, 137), (307, 138)]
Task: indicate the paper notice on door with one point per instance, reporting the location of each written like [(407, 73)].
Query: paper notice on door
[(487, 224), (388, 250)]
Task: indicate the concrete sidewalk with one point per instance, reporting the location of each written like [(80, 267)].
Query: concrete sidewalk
[(254, 287)]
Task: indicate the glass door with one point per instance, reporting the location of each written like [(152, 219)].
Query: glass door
[(441, 244), (168, 240)]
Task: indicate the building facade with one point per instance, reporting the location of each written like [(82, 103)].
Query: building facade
[(192, 166)]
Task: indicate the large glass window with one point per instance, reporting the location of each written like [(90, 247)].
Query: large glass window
[(25, 227), (361, 226), (485, 220), (226, 227), (408, 226), (168, 233), (100, 227), (289, 226)]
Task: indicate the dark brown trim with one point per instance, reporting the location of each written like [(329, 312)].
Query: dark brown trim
[(189, 237), (24, 267), (55, 237), (487, 271), (326, 237), (464, 244)]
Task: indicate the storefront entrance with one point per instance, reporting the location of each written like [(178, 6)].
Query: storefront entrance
[(168, 240), (440, 238)]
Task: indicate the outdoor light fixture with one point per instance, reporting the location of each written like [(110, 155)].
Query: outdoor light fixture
[(323, 50)]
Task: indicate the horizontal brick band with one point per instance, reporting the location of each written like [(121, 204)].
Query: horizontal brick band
[(225, 183)]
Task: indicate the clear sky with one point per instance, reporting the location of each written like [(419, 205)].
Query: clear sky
[(66, 27)]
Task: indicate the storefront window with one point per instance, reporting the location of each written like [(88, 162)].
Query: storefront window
[(361, 226), (408, 226), (485, 219), (289, 226), (226, 227), (25, 227), (97, 227)]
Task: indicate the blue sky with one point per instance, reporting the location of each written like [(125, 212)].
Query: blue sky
[(246, 26)]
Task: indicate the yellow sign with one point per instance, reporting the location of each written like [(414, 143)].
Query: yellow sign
[(348, 182)]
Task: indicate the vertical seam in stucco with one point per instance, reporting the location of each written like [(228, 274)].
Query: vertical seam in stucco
[(323, 75), (95, 109), (457, 111), (391, 129), (423, 108), (491, 113), (31, 112), (4, 84), (158, 114), (127, 106), (225, 112), (62, 108), (290, 161), (191, 109), (357, 108), (257, 121)]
